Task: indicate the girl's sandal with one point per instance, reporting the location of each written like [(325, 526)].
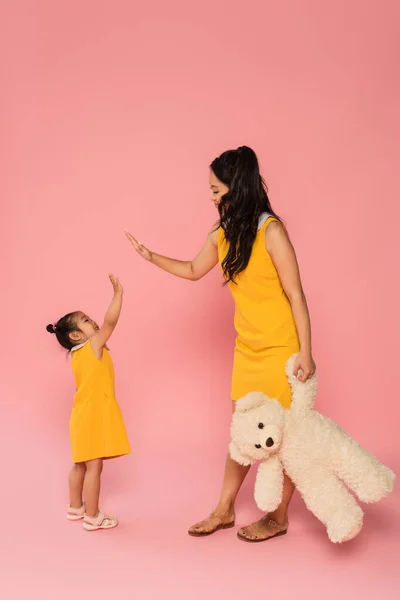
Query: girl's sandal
[(102, 521), (75, 514)]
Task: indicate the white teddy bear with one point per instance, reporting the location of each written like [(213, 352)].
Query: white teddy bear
[(318, 456)]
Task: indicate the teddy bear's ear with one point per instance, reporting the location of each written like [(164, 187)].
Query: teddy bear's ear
[(238, 457), (250, 401)]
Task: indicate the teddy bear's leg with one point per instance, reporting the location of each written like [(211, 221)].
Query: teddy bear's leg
[(326, 497), (361, 471)]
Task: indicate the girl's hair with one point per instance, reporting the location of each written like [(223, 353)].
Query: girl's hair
[(63, 328), (241, 207)]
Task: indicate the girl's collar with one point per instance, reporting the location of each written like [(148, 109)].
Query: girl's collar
[(79, 346)]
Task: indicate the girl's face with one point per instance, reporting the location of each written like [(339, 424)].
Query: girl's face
[(218, 189), (85, 329)]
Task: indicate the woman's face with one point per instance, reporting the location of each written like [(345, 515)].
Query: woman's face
[(217, 188)]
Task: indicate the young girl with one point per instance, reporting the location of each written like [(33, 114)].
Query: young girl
[(97, 428)]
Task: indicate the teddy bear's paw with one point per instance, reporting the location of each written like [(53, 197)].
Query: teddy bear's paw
[(347, 527), (353, 534), (376, 484)]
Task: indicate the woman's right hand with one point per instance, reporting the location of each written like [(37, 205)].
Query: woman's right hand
[(140, 249)]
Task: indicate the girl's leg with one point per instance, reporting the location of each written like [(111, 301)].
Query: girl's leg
[(224, 514), (91, 486), (94, 519), (76, 479)]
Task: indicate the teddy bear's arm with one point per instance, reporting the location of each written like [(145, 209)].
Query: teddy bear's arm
[(268, 489), (303, 394)]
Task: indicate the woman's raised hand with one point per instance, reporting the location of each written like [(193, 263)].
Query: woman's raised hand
[(140, 249)]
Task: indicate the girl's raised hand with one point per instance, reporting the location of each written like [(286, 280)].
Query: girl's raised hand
[(116, 284), (140, 249)]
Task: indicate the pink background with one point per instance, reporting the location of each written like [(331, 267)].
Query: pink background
[(111, 113)]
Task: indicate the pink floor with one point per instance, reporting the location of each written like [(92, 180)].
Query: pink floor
[(151, 556)]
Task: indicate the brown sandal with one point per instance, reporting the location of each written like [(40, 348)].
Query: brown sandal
[(271, 524), (217, 528)]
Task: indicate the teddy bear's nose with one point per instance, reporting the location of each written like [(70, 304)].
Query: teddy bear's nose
[(269, 442)]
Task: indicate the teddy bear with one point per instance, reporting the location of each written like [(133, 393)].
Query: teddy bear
[(320, 458)]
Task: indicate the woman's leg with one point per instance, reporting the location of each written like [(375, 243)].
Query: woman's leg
[(91, 486), (278, 387), (274, 523), (267, 527), (224, 514), (76, 479)]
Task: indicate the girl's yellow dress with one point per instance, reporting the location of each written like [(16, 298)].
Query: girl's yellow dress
[(266, 331), (97, 428)]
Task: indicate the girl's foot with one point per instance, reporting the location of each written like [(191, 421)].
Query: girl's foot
[(102, 521), (75, 514), (213, 523), (263, 530)]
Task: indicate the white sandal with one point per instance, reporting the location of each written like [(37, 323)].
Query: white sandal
[(102, 521), (75, 514)]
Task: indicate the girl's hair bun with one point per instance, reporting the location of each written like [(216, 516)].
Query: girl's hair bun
[(50, 328)]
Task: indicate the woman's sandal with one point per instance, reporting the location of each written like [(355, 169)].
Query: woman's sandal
[(274, 530), (218, 527)]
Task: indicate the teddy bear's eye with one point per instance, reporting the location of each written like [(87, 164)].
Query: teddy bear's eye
[(261, 426), (258, 445)]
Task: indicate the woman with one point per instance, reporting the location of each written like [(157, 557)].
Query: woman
[(271, 318)]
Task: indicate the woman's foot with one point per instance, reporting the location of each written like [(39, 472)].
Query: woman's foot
[(102, 521), (264, 529), (213, 523)]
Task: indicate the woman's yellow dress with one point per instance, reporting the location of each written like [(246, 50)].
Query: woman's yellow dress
[(266, 331), (97, 428)]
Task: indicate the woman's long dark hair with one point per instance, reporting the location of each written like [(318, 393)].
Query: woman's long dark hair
[(240, 209)]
